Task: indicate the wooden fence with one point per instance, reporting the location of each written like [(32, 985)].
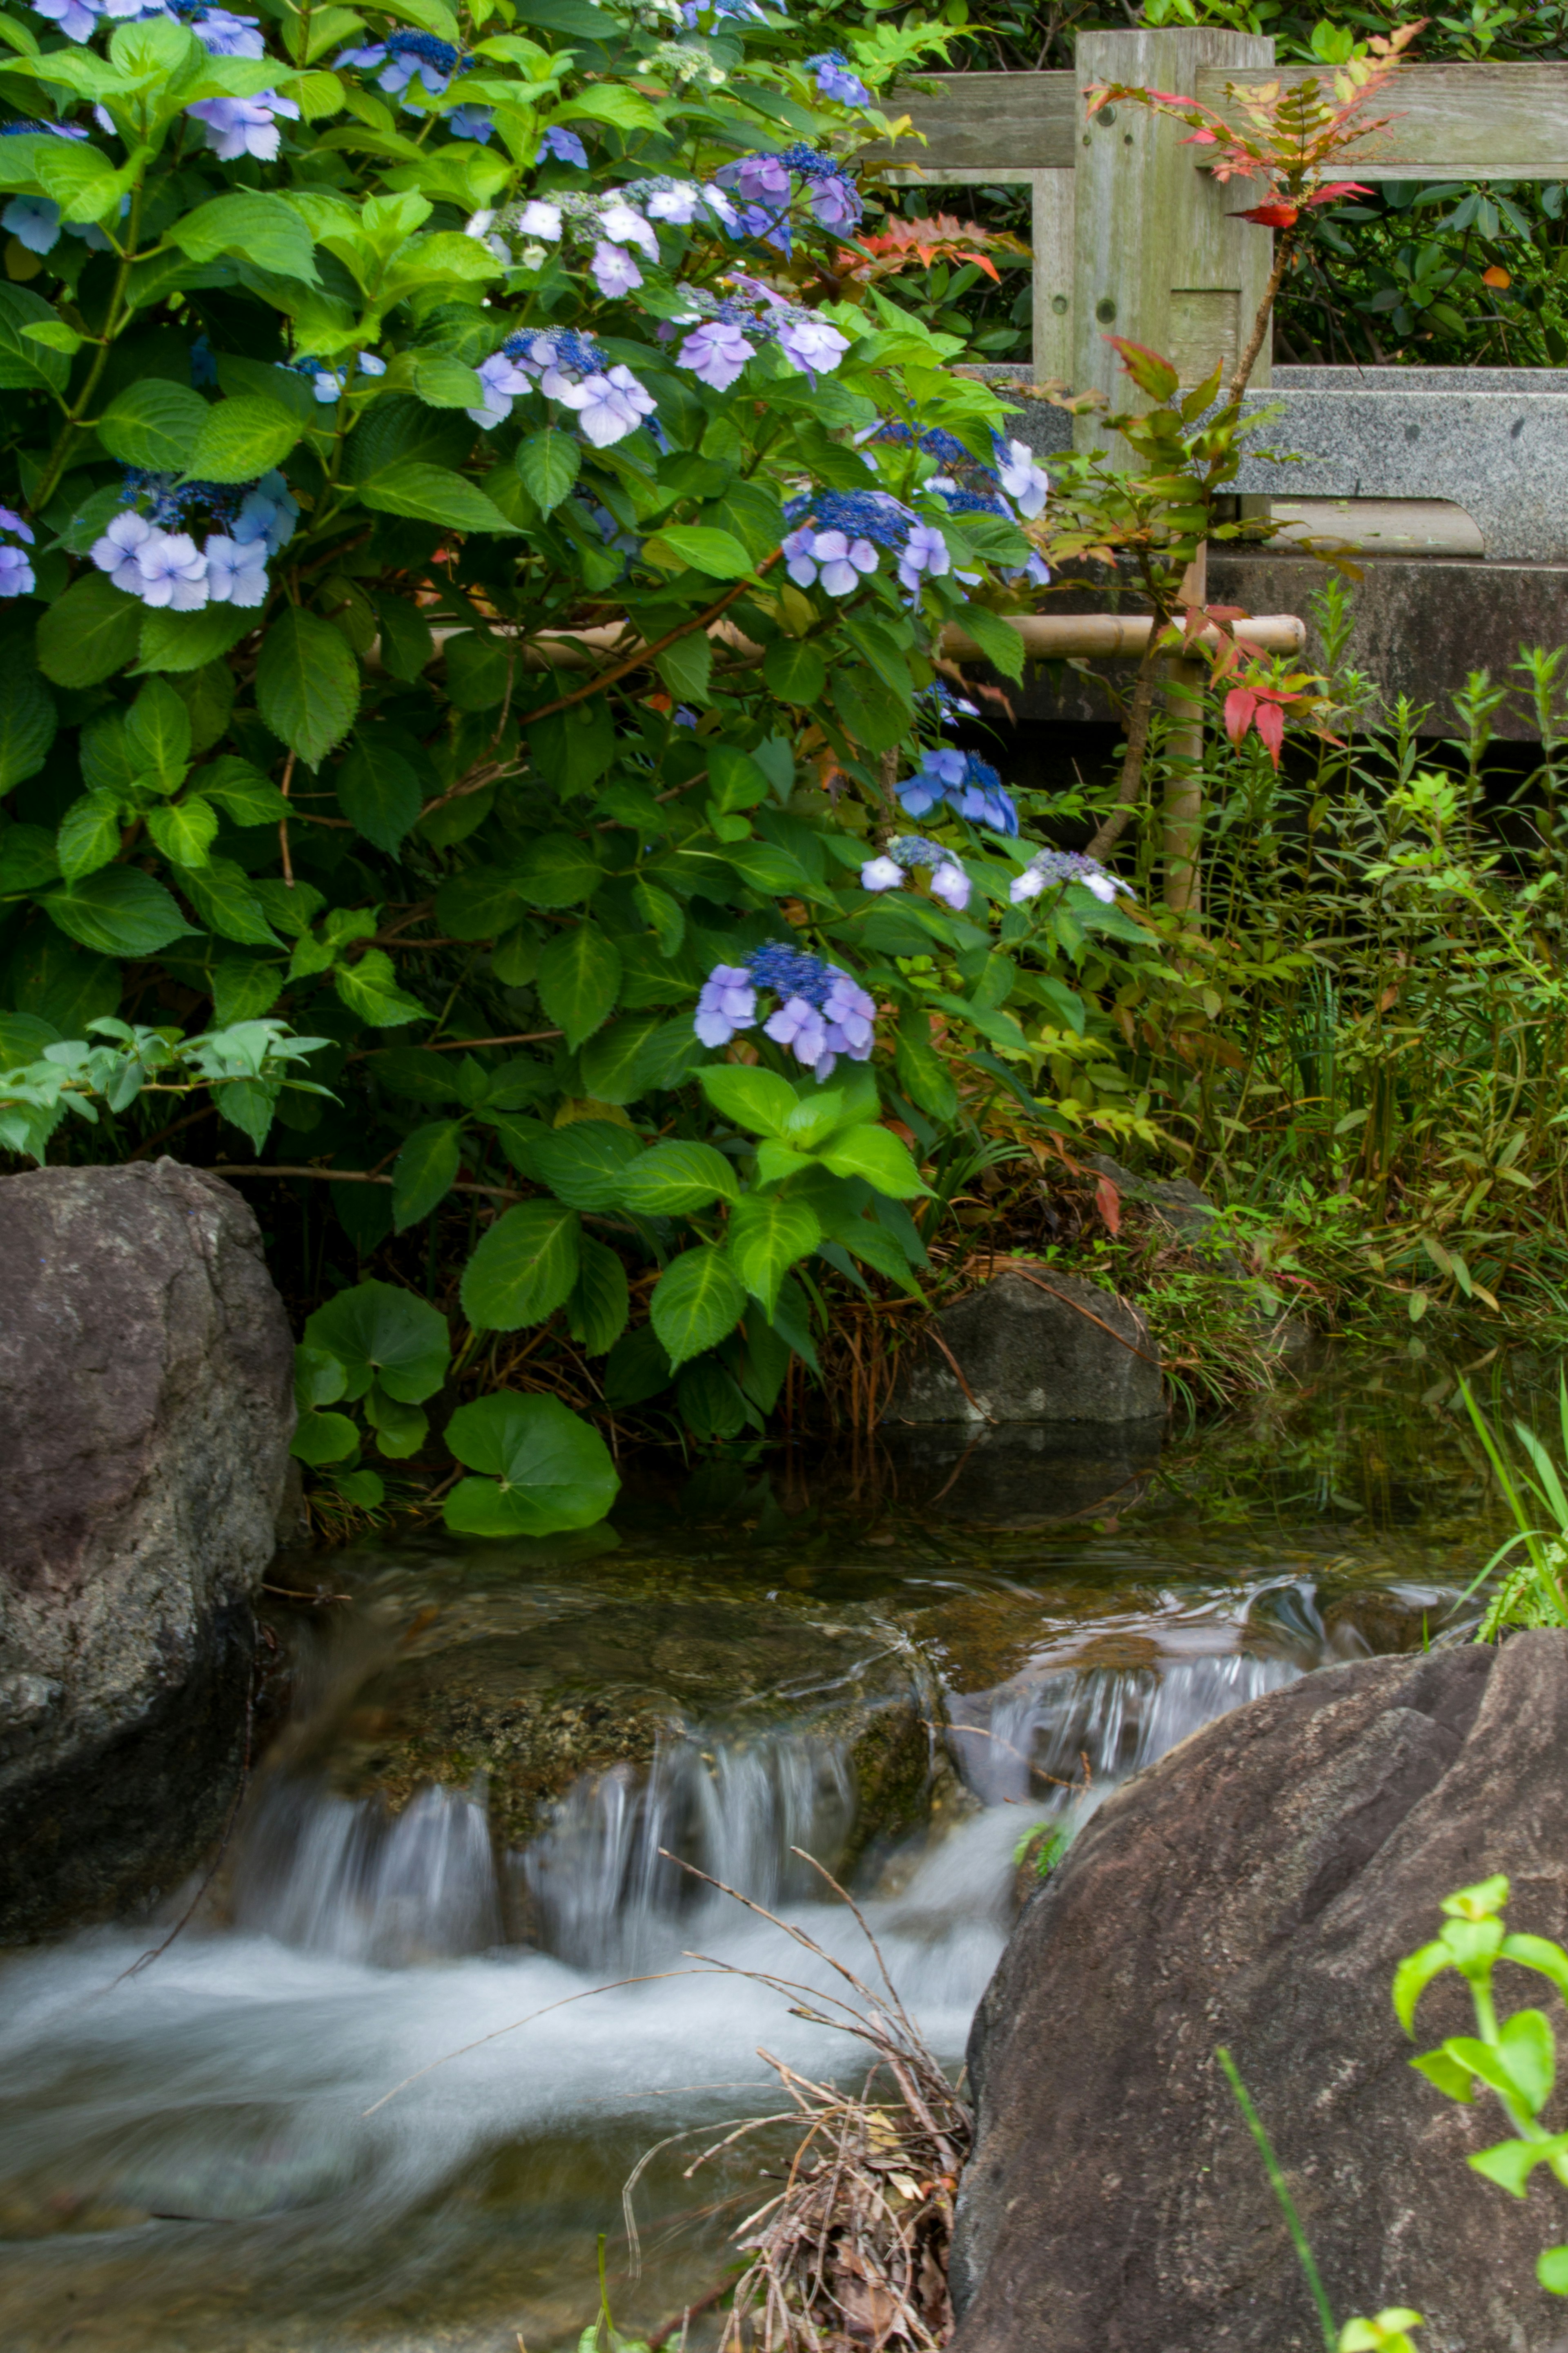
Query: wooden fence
[(1131, 235)]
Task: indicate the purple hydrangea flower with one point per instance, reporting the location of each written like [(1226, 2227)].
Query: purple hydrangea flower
[(800, 1027), (1019, 476), (757, 179), (677, 204), (15, 573), (504, 382), (882, 874), (34, 222), (472, 123), (78, 19), (809, 343), (835, 81), (237, 570), (926, 554), (245, 126), (609, 405), (716, 353), (613, 269), (830, 557), (836, 204), (225, 35), (330, 384), (117, 550), (728, 1003), (564, 145), (174, 572), (949, 882), (623, 226), (850, 1011), (537, 218), (11, 521)]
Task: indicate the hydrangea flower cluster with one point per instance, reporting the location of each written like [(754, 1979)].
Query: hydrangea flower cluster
[(837, 79), (908, 852), (563, 146), (764, 184), (821, 1012), (609, 401), (733, 331), (407, 57), (610, 222), (15, 572), (245, 126), (165, 568), (965, 783), (328, 384), (1048, 866), (836, 546)]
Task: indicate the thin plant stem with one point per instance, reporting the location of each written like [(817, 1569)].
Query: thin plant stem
[(1287, 2204)]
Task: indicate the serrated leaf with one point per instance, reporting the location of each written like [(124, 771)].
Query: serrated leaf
[(91, 632), (433, 494), (769, 1233), (795, 673), (189, 641), (241, 439), (579, 980), (585, 1164), (523, 1269), (676, 1178), (118, 912), (88, 836), (425, 1171), (157, 733), (261, 229), (378, 792), (153, 424), (548, 463), (28, 722), (663, 912), (228, 904), (184, 830), (408, 643), (600, 1301), (307, 683), (26, 365), (697, 1302), (699, 546), (754, 1098), (442, 382), (877, 1154)]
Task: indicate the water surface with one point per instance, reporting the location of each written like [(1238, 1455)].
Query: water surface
[(900, 1665)]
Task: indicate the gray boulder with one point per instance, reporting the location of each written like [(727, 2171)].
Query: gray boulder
[(146, 1399), (1035, 1348), (1257, 1888)]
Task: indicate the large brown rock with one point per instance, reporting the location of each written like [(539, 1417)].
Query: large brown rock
[(146, 1404), (1257, 1888)]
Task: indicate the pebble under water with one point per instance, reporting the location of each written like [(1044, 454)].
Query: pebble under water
[(900, 1665)]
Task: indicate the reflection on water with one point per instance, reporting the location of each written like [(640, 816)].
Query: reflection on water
[(470, 1822)]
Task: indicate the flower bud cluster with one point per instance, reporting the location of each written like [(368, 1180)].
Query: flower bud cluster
[(609, 400), (822, 1013), (836, 546), (734, 329)]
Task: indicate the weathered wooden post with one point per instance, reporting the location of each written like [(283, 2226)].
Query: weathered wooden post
[(1160, 258)]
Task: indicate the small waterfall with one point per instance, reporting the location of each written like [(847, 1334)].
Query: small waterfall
[(1026, 1736), (347, 1877), (604, 1894)]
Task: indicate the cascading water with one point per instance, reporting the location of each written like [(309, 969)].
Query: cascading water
[(377, 2096)]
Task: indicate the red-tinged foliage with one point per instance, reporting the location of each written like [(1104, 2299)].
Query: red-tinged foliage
[(904, 244), (1149, 370)]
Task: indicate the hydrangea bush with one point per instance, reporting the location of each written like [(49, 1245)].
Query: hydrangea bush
[(467, 595)]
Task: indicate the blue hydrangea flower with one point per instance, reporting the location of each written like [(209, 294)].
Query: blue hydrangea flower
[(564, 146), (822, 1012), (34, 222), (966, 783), (836, 78)]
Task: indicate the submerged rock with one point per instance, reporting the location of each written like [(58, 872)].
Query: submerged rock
[(1257, 1888), (1025, 1349), (146, 1398)]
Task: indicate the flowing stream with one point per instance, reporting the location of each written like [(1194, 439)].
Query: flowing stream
[(499, 1760)]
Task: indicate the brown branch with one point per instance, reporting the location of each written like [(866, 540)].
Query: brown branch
[(636, 660), (283, 823), (1248, 360)]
